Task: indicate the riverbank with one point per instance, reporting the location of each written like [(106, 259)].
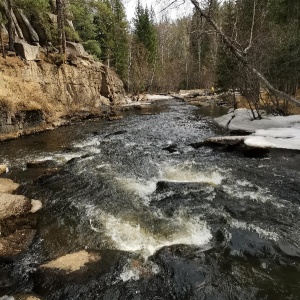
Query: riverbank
[(41, 95)]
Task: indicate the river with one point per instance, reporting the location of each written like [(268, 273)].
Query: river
[(175, 223)]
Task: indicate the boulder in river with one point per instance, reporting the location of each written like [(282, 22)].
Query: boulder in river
[(72, 262), (13, 205), (46, 163), (7, 185)]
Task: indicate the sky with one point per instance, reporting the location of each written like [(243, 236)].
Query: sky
[(178, 9)]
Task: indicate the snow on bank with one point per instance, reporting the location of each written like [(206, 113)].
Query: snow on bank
[(269, 132), (283, 138), (158, 97), (241, 119)]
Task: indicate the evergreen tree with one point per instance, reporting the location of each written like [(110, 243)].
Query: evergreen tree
[(112, 34), (144, 30)]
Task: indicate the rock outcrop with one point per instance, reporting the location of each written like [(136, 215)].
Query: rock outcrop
[(34, 96), (41, 89)]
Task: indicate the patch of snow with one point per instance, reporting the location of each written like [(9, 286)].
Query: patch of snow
[(269, 132), (241, 119), (271, 142), (158, 97)]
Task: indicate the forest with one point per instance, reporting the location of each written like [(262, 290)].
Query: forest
[(166, 54)]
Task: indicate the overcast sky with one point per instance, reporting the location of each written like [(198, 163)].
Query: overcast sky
[(159, 6)]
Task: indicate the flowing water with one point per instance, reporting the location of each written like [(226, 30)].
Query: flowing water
[(180, 224)]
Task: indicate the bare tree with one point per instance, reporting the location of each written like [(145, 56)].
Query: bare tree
[(241, 56)]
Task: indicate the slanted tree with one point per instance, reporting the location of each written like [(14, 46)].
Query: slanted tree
[(2, 21)]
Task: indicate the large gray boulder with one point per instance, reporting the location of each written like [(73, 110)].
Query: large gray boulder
[(26, 51), (77, 49)]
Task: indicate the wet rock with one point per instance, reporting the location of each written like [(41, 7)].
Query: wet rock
[(13, 205), (3, 169), (16, 213), (253, 152), (26, 297), (225, 140), (72, 262), (7, 298), (47, 174), (16, 243), (288, 249), (171, 148), (116, 133), (7, 185), (41, 163), (197, 145)]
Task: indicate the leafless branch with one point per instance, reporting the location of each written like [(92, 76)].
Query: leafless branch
[(237, 53), (252, 28)]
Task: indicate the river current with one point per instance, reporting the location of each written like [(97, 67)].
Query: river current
[(170, 221)]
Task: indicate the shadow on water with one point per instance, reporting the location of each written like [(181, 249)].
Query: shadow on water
[(180, 224)]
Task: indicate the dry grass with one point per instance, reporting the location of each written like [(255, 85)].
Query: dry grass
[(17, 94), (266, 101)]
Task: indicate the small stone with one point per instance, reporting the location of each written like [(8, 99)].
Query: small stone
[(7, 185), (3, 169), (36, 205)]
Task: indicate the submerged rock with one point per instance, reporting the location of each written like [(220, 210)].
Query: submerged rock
[(16, 243), (47, 163), (7, 185), (171, 148)]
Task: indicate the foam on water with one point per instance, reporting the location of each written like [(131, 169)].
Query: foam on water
[(184, 173), (244, 189), (87, 143), (132, 237), (134, 269), (141, 187), (251, 227)]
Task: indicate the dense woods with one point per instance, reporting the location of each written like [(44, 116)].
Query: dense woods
[(163, 55)]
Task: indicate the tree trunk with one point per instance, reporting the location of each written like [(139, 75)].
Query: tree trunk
[(10, 26), (240, 56), (2, 43), (60, 9)]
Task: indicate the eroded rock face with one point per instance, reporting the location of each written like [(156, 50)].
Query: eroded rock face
[(52, 92)]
